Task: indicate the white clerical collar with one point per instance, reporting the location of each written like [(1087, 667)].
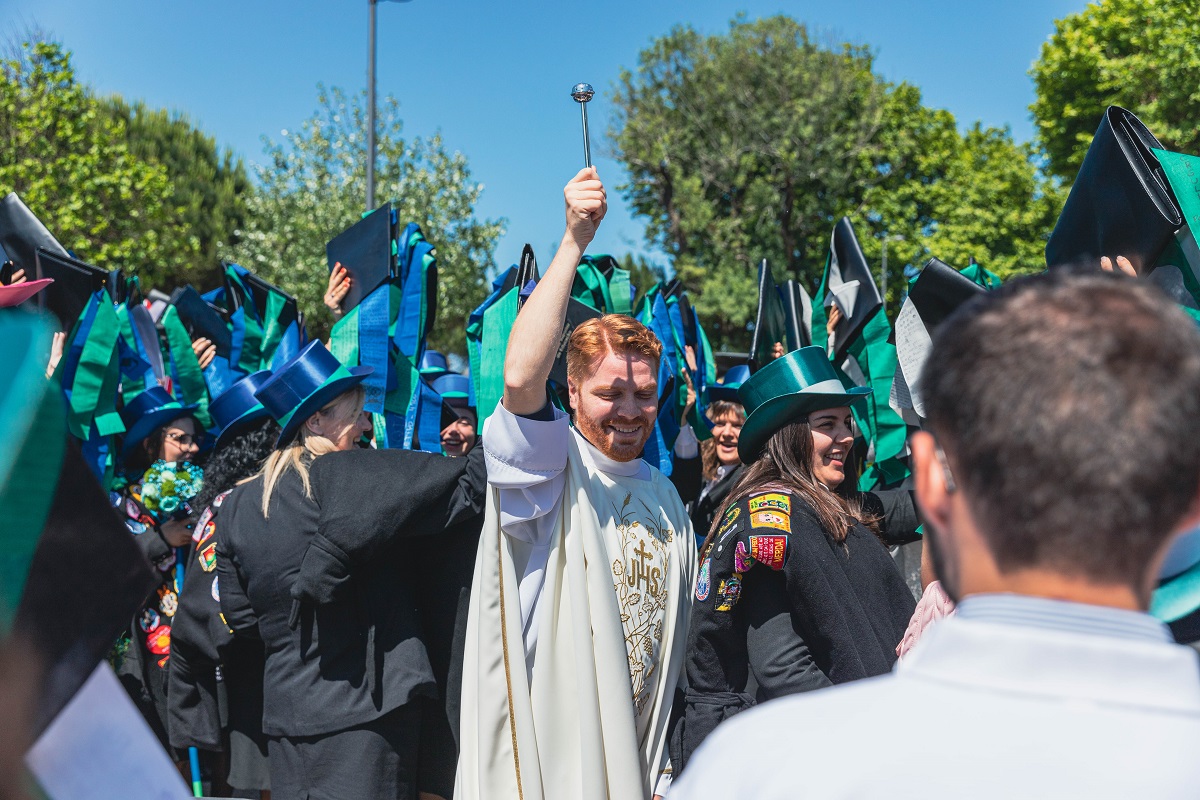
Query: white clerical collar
[(629, 469)]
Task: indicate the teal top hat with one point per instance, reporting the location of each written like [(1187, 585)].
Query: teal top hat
[(147, 412), (1178, 592), (788, 389), (302, 386), (727, 389), (234, 409)]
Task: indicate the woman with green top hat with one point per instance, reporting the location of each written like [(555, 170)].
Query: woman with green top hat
[(313, 557), (796, 590), (158, 428), (215, 689)]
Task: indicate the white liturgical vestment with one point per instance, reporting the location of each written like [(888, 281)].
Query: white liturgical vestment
[(578, 622)]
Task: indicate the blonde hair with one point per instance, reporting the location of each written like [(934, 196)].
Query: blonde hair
[(343, 410), (612, 333)]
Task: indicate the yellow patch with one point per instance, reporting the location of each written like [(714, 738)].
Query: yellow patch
[(771, 519), (771, 502), (730, 517)]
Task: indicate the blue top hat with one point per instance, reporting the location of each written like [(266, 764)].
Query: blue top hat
[(1178, 592), (302, 386), (727, 389), (237, 407), (433, 365), (147, 412), (455, 389)]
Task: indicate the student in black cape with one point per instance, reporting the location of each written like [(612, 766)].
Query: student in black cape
[(215, 689), (157, 428), (796, 590), (314, 556)]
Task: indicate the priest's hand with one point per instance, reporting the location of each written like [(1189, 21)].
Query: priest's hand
[(587, 203), (1123, 265), (335, 293)]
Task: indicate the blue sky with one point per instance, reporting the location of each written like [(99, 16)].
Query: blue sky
[(494, 77)]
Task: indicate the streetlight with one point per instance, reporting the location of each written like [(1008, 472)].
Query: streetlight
[(371, 103)]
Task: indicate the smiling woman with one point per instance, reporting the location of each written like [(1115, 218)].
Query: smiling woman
[(796, 591)]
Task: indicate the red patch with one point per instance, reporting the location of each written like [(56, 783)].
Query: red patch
[(158, 641), (769, 550)]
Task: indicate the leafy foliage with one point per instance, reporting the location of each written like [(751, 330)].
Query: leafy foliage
[(312, 187), (1139, 54), (752, 144), (211, 186), (72, 165)]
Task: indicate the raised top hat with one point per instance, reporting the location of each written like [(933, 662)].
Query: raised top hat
[(455, 389), (147, 412), (727, 388), (236, 408), (302, 386), (433, 365), (788, 389), (14, 294)]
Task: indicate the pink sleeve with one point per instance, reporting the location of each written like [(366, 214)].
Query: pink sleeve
[(933, 605)]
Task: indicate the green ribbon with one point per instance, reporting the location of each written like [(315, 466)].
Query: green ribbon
[(591, 288), (489, 380), (274, 332), (343, 338), (876, 358), (1183, 173), (31, 426), (187, 366), (93, 387), (620, 292)]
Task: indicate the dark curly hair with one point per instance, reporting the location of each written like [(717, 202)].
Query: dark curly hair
[(237, 459)]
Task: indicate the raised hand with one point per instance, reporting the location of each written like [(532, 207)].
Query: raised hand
[(339, 287), (205, 351), (587, 203), (1123, 265)]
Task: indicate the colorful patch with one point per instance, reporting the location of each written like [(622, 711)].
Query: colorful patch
[(216, 503), (730, 591), (769, 549), (168, 601), (704, 581), (114, 499), (771, 502), (205, 519), (731, 517), (167, 562), (208, 558), (742, 560), (202, 535), (771, 519), (216, 593), (131, 509), (162, 662), (149, 620), (135, 527), (158, 641)]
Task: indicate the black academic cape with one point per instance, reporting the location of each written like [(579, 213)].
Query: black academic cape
[(329, 582), (702, 506), (781, 607)]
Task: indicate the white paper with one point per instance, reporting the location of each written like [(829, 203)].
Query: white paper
[(100, 748), (912, 349)]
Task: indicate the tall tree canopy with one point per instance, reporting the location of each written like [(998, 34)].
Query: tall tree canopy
[(71, 163), (752, 144), (211, 186), (312, 187), (1139, 54)]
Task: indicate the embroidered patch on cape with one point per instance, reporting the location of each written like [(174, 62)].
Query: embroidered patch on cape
[(769, 549), (207, 532), (131, 509), (771, 519), (158, 641), (216, 503), (704, 581), (208, 558), (742, 561), (730, 591), (730, 517), (149, 620), (216, 593), (135, 527), (205, 519), (168, 601), (771, 501)]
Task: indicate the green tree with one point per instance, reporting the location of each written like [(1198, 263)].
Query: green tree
[(72, 165), (752, 144), (210, 184), (312, 187), (1139, 54)]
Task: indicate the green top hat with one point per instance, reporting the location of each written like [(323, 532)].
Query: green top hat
[(788, 389)]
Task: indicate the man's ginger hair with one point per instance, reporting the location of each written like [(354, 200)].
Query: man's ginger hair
[(613, 333)]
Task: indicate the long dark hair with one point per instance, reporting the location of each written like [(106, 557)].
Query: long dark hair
[(237, 459), (708, 448), (786, 461)]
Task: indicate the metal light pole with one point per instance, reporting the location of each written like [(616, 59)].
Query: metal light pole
[(371, 102)]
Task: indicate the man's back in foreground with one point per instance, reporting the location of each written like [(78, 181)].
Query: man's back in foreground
[(1059, 461)]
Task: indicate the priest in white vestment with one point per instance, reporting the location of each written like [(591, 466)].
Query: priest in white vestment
[(586, 566)]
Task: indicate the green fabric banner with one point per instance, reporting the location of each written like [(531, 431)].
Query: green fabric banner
[(489, 378), (274, 330), (1183, 173), (343, 338), (620, 292), (876, 358), (187, 367), (98, 369)]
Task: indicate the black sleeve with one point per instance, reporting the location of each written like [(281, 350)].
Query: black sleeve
[(470, 495), (235, 605), (688, 476), (779, 658), (897, 509)]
